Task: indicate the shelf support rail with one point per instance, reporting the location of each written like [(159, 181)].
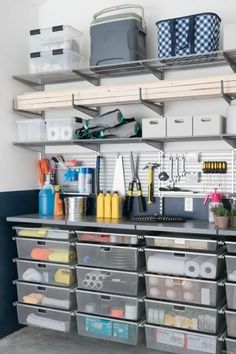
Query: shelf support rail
[(25, 113), (86, 110), (229, 60), (228, 98), (158, 108), (35, 85), (158, 73), (91, 79)]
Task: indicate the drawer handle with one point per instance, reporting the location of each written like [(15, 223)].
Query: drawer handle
[(105, 249), (42, 311), (205, 120), (41, 243), (105, 297), (178, 308), (106, 273), (179, 255), (42, 266), (41, 288), (153, 122), (179, 121)]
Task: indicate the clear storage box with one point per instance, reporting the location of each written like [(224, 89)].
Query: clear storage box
[(30, 130), (231, 246), (115, 257), (231, 267), (44, 232), (180, 342), (46, 295), (56, 60), (190, 264), (231, 295), (111, 281), (185, 290), (173, 242), (170, 314), (231, 345), (108, 329), (46, 250), (231, 323), (35, 316), (60, 129), (46, 273), (56, 37), (108, 305), (107, 237)]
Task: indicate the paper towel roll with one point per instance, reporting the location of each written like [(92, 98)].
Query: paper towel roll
[(188, 296), (192, 267), (154, 292), (171, 294), (169, 283), (166, 263), (208, 269), (53, 133), (66, 133), (187, 285), (153, 281)]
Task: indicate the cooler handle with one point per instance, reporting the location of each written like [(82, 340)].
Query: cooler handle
[(122, 7)]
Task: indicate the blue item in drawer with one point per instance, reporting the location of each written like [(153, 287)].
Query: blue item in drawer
[(102, 327), (121, 330)]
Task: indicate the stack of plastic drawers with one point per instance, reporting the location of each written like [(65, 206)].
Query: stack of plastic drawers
[(56, 48), (185, 298), (110, 287), (46, 277), (231, 297)]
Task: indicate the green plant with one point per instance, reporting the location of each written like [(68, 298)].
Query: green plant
[(220, 211), (233, 210)]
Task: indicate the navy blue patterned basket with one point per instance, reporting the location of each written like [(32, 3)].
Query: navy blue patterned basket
[(188, 35)]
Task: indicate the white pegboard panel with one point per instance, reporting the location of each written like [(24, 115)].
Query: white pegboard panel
[(207, 182)]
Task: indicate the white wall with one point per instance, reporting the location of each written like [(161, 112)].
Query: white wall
[(18, 166)]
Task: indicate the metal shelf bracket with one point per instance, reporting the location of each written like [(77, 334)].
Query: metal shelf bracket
[(158, 108), (91, 79), (27, 114), (86, 110), (231, 63), (35, 85), (158, 73), (228, 98)]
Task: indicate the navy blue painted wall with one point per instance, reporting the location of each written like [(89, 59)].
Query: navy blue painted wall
[(11, 203)]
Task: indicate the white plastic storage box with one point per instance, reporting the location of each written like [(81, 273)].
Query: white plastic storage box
[(107, 237), (229, 42), (110, 281), (46, 295), (185, 290), (154, 128), (188, 264), (56, 37), (45, 250), (126, 332), (195, 318), (44, 232), (60, 129), (204, 125), (55, 60), (179, 126), (31, 130), (110, 305), (35, 316), (231, 345), (182, 342)]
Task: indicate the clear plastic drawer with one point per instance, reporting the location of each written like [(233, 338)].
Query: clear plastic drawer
[(231, 323), (46, 273), (46, 295), (231, 267), (110, 281), (44, 232), (108, 305), (57, 320), (104, 237), (186, 317), (231, 246), (109, 329), (115, 257), (176, 341), (188, 243), (231, 345), (185, 290), (231, 295), (188, 264), (46, 250)]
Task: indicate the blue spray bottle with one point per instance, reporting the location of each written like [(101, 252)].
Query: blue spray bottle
[(46, 198)]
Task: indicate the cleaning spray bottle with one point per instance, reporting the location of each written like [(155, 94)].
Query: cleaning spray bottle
[(46, 198), (216, 201), (58, 203)]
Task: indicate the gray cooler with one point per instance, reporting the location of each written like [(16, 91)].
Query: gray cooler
[(118, 38)]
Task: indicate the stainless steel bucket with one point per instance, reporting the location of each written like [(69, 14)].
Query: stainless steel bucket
[(75, 207)]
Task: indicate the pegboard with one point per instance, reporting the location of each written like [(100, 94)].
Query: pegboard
[(205, 184)]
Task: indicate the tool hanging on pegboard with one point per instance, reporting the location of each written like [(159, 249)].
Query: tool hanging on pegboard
[(150, 167), (209, 167)]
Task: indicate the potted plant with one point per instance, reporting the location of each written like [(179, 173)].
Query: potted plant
[(221, 216), (233, 215)]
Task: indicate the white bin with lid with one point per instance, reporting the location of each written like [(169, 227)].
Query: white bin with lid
[(60, 129), (30, 130)]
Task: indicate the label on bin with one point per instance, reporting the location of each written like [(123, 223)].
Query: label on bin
[(170, 338), (201, 344)]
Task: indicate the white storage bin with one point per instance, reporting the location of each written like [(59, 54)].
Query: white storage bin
[(56, 37), (179, 126), (153, 128), (60, 129), (182, 342), (31, 130), (229, 36), (204, 125), (56, 60)]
